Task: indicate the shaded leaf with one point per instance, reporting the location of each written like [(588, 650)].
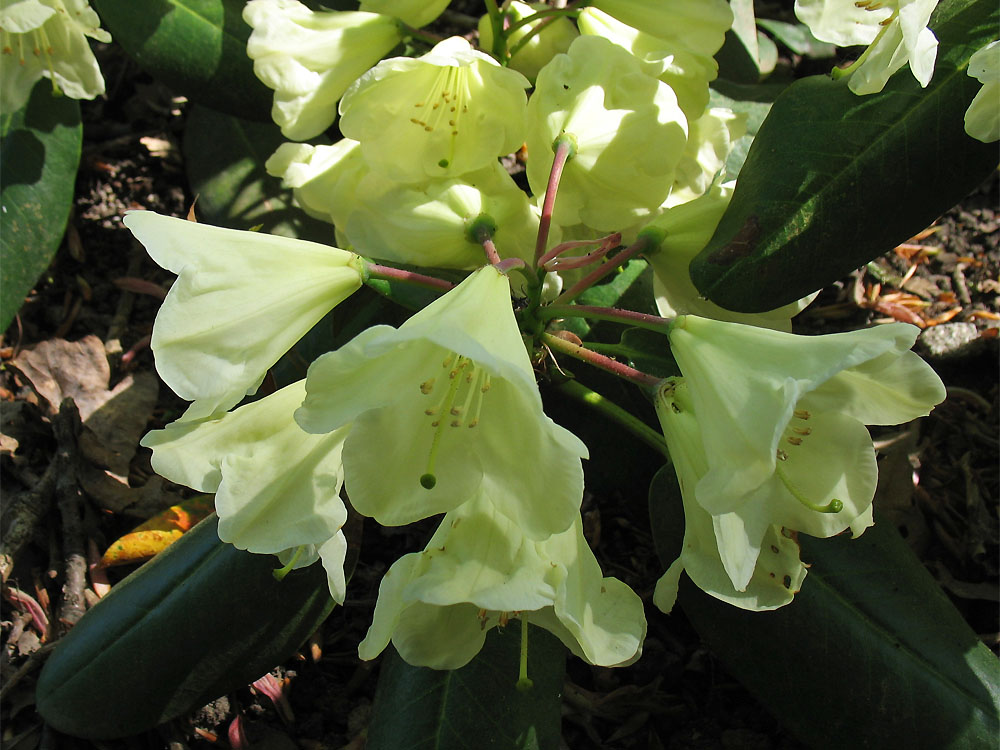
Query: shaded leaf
[(225, 156), (200, 620), (475, 707), (884, 657), (197, 47), (834, 179), (797, 38), (39, 156)]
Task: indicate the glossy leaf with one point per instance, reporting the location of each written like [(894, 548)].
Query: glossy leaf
[(225, 158), (39, 156), (870, 654), (476, 707), (834, 179), (199, 620), (197, 47)]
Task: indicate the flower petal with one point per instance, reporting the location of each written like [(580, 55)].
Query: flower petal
[(241, 301)]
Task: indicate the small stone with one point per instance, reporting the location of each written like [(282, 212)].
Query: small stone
[(950, 340)]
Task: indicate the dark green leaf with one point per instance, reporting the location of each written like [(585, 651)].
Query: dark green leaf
[(199, 620), (198, 47), (739, 57), (834, 179), (225, 158), (871, 654), (647, 351), (39, 155), (476, 707)]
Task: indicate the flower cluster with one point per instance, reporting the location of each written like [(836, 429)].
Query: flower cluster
[(442, 415), (48, 38)]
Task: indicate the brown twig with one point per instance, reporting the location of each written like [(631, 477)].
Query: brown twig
[(68, 496), (25, 513), (33, 662)]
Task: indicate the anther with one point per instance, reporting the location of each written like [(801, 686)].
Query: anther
[(794, 440), (802, 430), (427, 386), (801, 414)]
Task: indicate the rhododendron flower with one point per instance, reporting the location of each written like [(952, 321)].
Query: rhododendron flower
[(310, 58), (432, 223), (553, 38), (277, 487), (451, 111), (777, 573), (446, 407), (414, 13), (782, 423), (241, 300), (48, 38), (478, 571), (895, 30), (982, 120), (627, 129), (323, 179), (683, 60)]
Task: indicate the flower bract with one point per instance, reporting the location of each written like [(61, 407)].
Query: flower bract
[(310, 58), (241, 300), (451, 111), (782, 424), (443, 408), (48, 38), (982, 119), (277, 487), (478, 571)]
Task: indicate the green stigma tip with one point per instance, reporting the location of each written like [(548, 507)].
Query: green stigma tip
[(835, 506), (524, 685), (427, 481), (443, 163)]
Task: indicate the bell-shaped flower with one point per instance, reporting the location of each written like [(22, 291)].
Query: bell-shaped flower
[(627, 130), (685, 230), (48, 39), (551, 39), (682, 60), (323, 179), (277, 487), (433, 223), (782, 421), (241, 300), (895, 31), (777, 572), (478, 571), (451, 111), (415, 13), (443, 408), (982, 119), (310, 58)]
